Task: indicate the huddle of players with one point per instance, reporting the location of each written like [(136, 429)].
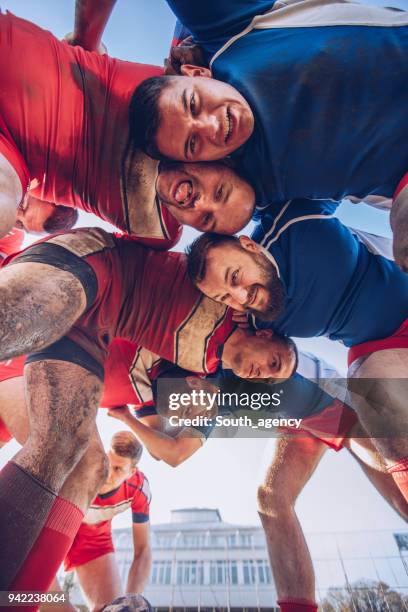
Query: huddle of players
[(302, 273)]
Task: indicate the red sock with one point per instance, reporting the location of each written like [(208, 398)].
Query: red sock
[(25, 504), (50, 548), (399, 472), (297, 605)]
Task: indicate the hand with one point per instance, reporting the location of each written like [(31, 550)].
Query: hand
[(187, 52), (241, 318), (122, 413), (72, 40)]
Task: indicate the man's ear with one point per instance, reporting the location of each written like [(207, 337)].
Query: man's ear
[(195, 71), (248, 244), (264, 333)]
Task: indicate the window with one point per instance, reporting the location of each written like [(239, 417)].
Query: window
[(161, 572), (218, 572), (264, 572), (246, 539), (190, 572), (249, 572), (233, 572)]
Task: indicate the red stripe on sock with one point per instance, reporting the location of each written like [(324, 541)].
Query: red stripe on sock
[(50, 548), (297, 605)]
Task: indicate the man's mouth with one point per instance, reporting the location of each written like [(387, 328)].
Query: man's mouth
[(183, 193), (228, 125)]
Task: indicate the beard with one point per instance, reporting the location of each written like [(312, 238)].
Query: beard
[(273, 285)]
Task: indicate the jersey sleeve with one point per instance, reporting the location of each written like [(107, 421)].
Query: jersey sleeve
[(141, 500), (12, 242), (212, 22)]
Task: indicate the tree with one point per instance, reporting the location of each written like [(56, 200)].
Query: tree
[(364, 596)]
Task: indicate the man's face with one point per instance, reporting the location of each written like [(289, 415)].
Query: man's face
[(260, 355), (208, 197), (240, 276), (202, 119), (120, 468), (32, 214)]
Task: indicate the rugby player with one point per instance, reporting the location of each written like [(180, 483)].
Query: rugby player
[(36, 217), (130, 376), (327, 423), (64, 134), (88, 287), (92, 552), (311, 125), (305, 274)]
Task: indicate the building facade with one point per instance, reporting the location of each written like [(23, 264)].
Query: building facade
[(202, 563)]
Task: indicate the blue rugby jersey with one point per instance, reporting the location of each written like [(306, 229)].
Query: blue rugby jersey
[(335, 285), (328, 86)]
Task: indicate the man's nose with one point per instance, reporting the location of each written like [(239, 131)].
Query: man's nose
[(209, 128), (240, 294)]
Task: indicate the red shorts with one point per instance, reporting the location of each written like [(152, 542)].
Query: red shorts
[(5, 435), (331, 426), (398, 340), (401, 186), (91, 542)]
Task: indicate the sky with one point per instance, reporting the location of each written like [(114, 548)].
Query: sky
[(225, 473)]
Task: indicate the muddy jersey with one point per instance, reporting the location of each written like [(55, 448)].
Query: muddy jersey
[(135, 293), (64, 115)]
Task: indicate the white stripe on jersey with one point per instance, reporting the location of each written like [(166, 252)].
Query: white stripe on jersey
[(319, 13)]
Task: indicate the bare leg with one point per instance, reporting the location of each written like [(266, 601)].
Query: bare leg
[(373, 465), (82, 484), (379, 383), (38, 305), (292, 466), (62, 399), (100, 581), (399, 224)]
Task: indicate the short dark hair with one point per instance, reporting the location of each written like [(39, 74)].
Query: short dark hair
[(62, 219), (144, 114), (197, 253), (125, 444)]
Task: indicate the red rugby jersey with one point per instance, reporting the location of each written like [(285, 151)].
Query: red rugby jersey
[(65, 128), (141, 295), (11, 243)]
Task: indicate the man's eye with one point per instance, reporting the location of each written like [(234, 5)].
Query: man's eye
[(193, 108), (192, 145), (219, 193), (234, 277), (207, 219)]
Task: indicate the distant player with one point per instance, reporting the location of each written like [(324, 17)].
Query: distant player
[(92, 554)]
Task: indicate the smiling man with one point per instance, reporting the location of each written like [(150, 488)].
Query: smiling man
[(304, 275), (209, 197), (318, 124)]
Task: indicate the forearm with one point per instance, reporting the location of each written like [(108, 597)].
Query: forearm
[(139, 572), (289, 555), (159, 444), (91, 17)]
